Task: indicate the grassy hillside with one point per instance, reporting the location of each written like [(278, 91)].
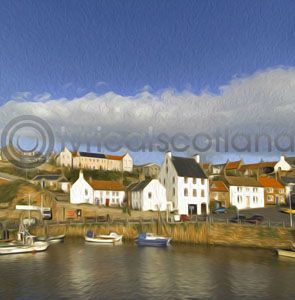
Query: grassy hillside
[(128, 177), (8, 191)]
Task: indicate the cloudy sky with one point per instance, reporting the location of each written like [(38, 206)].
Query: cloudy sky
[(168, 73)]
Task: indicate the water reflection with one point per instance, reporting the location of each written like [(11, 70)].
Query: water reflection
[(75, 270)]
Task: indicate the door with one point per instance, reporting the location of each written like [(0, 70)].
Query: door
[(107, 202)]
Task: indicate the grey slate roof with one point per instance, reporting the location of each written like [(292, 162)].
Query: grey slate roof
[(141, 185), (94, 155), (50, 177), (188, 167), (287, 180), (243, 181)]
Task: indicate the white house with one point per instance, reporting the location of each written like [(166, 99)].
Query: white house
[(149, 194), (94, 161), (97, 192), (285, 164), (186, 184), (245, 192)]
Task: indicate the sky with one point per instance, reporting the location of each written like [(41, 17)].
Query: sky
[(188, 66)]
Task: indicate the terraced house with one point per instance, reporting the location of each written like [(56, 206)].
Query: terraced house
[(186, 184), (274, 191), (95, 161)]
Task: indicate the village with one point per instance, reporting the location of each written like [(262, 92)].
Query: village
[(81, 186)]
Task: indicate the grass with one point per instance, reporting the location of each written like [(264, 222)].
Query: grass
[(29, 174), (73, 175), (9, 191)]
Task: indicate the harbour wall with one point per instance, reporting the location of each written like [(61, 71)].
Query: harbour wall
[(202, 233)]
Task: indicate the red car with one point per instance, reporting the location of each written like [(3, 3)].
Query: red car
[(184, 218)]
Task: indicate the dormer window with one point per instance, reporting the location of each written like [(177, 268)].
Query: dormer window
[(185, 180)]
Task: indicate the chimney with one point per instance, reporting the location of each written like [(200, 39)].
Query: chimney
[(282, 158), (81, 174), (168, 153), (197, 158)]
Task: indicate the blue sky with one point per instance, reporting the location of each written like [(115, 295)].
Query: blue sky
[(176, 65), (68, 48)]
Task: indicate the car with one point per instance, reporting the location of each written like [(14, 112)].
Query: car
[(255, 219), (184, 218), (220, 210), (238, 219)]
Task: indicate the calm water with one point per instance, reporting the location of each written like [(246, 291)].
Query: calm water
[(75, 270)]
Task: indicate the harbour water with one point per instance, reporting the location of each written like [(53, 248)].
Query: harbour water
[(75, 270)]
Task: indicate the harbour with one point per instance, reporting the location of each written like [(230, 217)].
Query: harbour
[(78, 270)]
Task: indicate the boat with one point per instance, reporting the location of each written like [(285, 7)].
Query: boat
[(51, 239), (111, 238), (286, 253), (149, 239), (30, 245)]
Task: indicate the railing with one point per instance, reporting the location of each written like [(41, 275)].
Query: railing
[(99, 220)]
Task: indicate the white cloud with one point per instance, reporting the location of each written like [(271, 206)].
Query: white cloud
[(262, 102)]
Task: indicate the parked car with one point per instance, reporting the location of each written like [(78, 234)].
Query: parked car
[(238, 219), (184, 218), (220, 210), (255, 219)]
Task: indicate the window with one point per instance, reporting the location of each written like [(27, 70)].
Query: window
[(270, 190), (282, 191), (202, 193), (269, 198), (86, 192), (173, 191), (202, 181), (255, 190), (164, 182), (185, 179), (150, 195), (194, 192), (240, 199), (173, 179), (194, 180), (239, 189), (185, 192)]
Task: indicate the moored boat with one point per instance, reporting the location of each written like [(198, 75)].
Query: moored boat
[(149, 239), (52, 239), (24, 248), (286, 253), (111, 238)]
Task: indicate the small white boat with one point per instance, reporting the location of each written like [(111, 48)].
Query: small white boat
[(286, 253), (24, 248), (111, 238), (52, 239)]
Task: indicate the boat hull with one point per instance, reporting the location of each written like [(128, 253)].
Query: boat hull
[(154, 243), (52, 239), (286, 253), (100, 240), (16, 249)]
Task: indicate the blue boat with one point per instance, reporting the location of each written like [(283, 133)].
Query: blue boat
[(149, 239)]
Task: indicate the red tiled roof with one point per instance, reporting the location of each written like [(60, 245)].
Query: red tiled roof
[(218, 186), (104, 185), (233, 165), (270, 182), (114, 157), (260, 165)]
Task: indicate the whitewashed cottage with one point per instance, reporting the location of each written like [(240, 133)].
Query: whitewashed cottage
[(149, 194), (97, 192), (186, 184), (245, 192)]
